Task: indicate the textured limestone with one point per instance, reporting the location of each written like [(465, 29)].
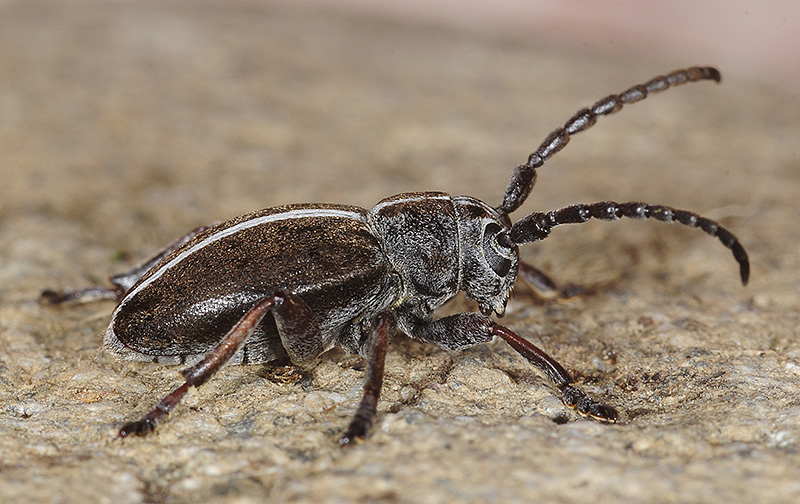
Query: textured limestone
[(124, 125)]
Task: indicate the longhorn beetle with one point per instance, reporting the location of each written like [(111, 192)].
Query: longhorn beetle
[(293, 281)]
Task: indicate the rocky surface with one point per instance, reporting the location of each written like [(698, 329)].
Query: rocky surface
[(124, 125)]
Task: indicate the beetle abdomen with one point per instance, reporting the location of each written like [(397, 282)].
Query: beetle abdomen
[(191, 298)]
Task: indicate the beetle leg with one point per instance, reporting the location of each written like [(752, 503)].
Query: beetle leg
[(298, 330), (126, 279), (290, 313), (464, 330), (51, 297), (384, 326), (555, 372), (122, 282), (537, 279), (546, 287)]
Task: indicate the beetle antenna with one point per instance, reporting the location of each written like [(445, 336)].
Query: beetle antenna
[(524, 176), (537, 226)]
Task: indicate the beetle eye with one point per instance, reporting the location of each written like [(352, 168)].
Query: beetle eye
[(497, 256)]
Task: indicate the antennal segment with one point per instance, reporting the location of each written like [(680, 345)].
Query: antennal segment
[(537, 226), (524, 176)]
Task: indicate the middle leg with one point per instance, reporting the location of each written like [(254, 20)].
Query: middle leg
[(384, 326), (121, 282)]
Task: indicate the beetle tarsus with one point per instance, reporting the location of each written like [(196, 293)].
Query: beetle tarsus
[(139, 428), (545, 287), (588, 406), (571, 395), (149, 422), (362, 421)]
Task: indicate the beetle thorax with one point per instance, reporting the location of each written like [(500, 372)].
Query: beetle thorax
[(419, 235), (439, 245)]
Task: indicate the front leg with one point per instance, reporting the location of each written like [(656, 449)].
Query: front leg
[(464, 330)]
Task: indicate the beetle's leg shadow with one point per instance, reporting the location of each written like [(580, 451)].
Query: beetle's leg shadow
[(298, 331), (464, 330)]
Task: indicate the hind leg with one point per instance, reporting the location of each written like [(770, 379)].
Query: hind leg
[(121, 283), (295, 323)]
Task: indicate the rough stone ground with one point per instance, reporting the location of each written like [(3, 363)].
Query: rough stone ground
[(124, 125)]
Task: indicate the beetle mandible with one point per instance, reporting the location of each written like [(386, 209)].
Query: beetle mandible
[(291, 282)]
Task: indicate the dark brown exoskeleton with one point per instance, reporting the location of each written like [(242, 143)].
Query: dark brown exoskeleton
[(333, 275)]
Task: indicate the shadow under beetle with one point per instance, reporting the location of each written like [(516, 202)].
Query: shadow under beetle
[(335, 275)]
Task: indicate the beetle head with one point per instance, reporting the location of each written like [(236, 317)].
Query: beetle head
[(488, 266)]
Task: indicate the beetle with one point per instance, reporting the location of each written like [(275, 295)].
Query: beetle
[(289, 283)]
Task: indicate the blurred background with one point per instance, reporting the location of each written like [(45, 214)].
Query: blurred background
[(759, 39)]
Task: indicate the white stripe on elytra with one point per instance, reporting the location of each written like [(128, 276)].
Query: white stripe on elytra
[(291, 214), (417, 197)]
